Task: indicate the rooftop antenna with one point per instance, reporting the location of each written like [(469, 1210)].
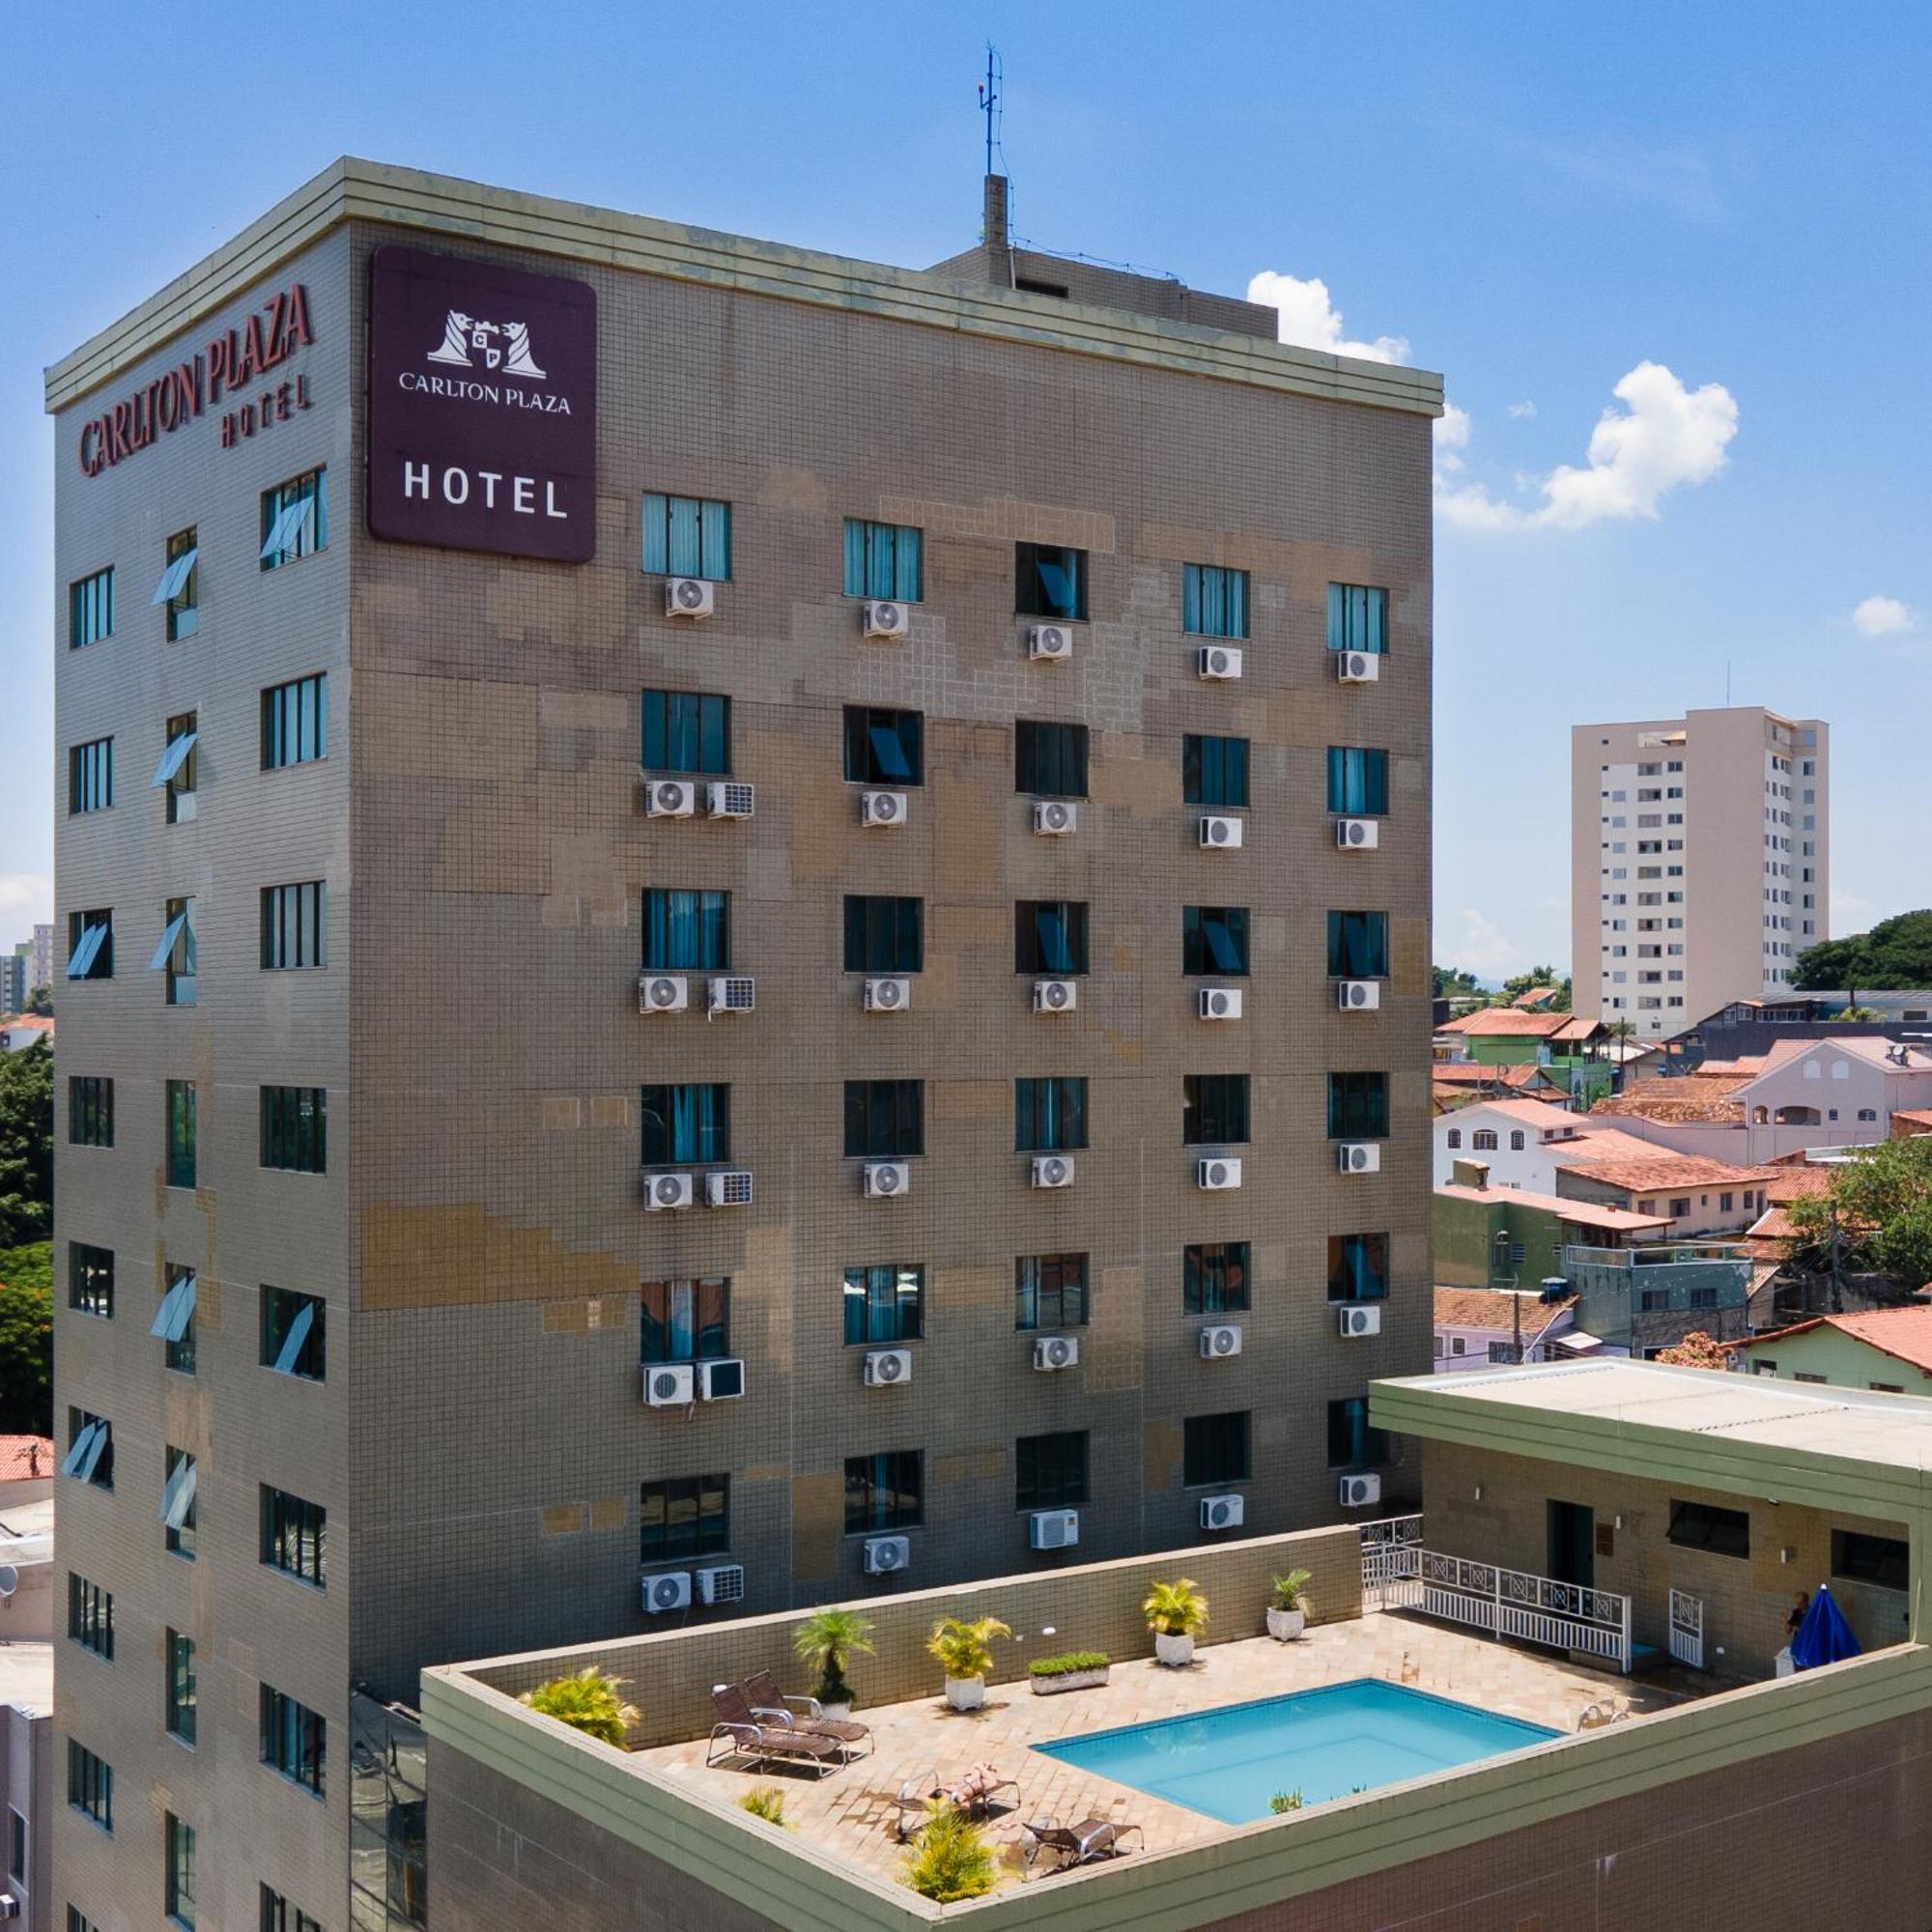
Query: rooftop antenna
[(989, 99)]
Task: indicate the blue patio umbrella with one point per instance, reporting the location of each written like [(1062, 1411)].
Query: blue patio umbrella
[(1824, 1637)]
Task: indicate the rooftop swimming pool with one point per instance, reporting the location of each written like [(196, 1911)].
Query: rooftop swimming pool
[(1324, 1744)]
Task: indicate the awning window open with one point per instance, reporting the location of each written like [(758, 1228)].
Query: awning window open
[(173, 758), (174, 577), (176, 1311)]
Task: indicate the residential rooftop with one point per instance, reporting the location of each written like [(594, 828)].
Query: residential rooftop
[(1581, 1214), (1504, 1022)]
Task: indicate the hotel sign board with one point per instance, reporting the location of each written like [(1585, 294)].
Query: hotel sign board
[(482, 407)]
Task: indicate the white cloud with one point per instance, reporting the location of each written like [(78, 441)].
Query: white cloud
[(1881, 616), (1523, 411), (1664, 437), (1485, 949), (1310, 319), (1452, 434), (25, 898)]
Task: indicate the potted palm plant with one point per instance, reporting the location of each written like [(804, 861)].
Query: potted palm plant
[(825, 1640), (1177, 1613), (964, 1650), (1288, 1614)]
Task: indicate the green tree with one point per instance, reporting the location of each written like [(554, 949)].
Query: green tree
[(1519, 984), (40, 1002), (1452, 982), (1895, 953), (26, 1144), (26, 1342), (1881, 1200), (587, 1701)]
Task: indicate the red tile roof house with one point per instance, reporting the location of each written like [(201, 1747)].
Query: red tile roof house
[(1470, 1320), (27, 1465), (24, 1030), (1884, 1348), (1700, 1197)]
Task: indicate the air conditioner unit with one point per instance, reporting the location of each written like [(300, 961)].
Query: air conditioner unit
[(667, 1190), (670, 1385), (1220, 1340), (1358, 1157), (1056, 1351), (729, 1189), (1220, 1003), (1357, 834), (662, 993), (1052, 1170), (726, 798), (722, 1583), (1217, 1172), (1056, 817), (1055, 995), (721, 1380), (887, 619), (1049, 644), (10, 1905), (887, 1556), (882, 807), (1223, 1512), (1218, 661), (1358, 667), (1358, 1317), (1220, 835), (888, 1176), (888, 996), (733, 995), (1359, 1492), (887, 1368), (1358, 996), (689, 597), (1053, 1529), (667, 1591), (671, 798)]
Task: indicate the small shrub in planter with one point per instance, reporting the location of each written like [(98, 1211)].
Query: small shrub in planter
[(964, 1651), (587, 1701), (952, 1860), (1177, 1613), (1288, 1613), (1286, 1800), (767, 1802), (1077, 1670)]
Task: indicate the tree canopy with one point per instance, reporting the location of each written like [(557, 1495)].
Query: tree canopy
[(27, 1341), (1452, 982), (1883, 1199), (26, 1144), (1696, 1350), (1519, 984), (1896, 954), (39, 1002)]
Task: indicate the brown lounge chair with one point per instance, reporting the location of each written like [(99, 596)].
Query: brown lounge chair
[(972, 1792), (1076, 1844), (770, 1705), (744, 1735)]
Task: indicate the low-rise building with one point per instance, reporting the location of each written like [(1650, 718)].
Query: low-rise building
[(1500, 1327), (23, 1031), (1510, 1238), (1697, 1196), (1884, 1349), (1640, 1301)]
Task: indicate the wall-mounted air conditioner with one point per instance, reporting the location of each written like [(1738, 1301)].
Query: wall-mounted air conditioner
[(1358, 996), (888, 1368), (887, 1556), (1223, 1512), (886, 1178), (1055, 995), (663, 992), (663, 1191), (689, 597), (1219, 1002), (1219, 834), (882, 807), (1052, 1170), (670, 798), (1219, 1172), (885, 619), (1219, 1341), (1056, 1351), (888, 996), (664, 1591), (1357, 834), (1053, 1529), (669, 1384)]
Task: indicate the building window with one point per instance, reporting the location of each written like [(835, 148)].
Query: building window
[(180, 1704), (295, 722), (687, 732), (1719, 1532), (1357, 781), (90, 1452), (1357, 617), (1358, 1267), (90, 1279), (90, 1785), (90, 608), (1484, 1140), (90, 1616), (1352, 1444), (884, 747), (1214, 1278), (1213, 1109), (1214, 939), (1358, 1107), (688, 1516), (1455, 1137), (294, 1333), (1049, 581), (882, 1303), (175, 955), (91, 944), (174, 1323), (179, 1517), (687, 536), (1653, 1300), (885, 1119), (1213, 601), (1049, 760), (1214, 771), (1214, 1449), (687, 932), (179, 770), (78, 1923), (294, 1739), (883, 560), (16, 1844), (180, 588), (294, 930), (1516, 1140), (686, 1321), (1701, 1298), (294, 1536), (1882, 1561), (884, 935), (686, 1126), (295, 519), (884, 1492), (279, 1916), (90, 776), (1358, 945), (1050, 1471), (1050, 936), (1049, 1291), (1050, 1115), (295, 1129), (90, 1110)]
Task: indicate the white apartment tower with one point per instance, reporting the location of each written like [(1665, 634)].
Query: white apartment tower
[(1700, 861)]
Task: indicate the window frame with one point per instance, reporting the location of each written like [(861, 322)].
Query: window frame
[(863, 537), (1051, 757), (97, 956), (294, 1125), (888, 1300), (90, 1785), (181, 1714), (293, 1741), (1359, 951), (90, 608), (865, 762), (659, 536), (1358, 770), (885, 1119), (1217, 1449), (1888, 1564), (275, 1335), (1215, 1101), (672, 928), (1214, 601), (90, 777), (1198, 955), (1371, 632), (295, 927), (1030, 948), (1217, 1278), (1351, 1276), (90, 1110), (184, 608), (659, 1105), (1372, 1101), (1057, 1478), (885, 933), (709, 1498), (1033, 596), (1365, 1446), (90, 1616), (1708, 1528), (876, 1490), (1063, 1128), (708, 1328), (295, 723), (301, 535), (1031, 1295), (1214, 771), (690, 730), (293, 1536)]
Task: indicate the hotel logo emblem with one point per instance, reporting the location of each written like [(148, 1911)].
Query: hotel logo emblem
[(501, 345)]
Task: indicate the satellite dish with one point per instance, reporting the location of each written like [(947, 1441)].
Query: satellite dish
[(10, 1579)]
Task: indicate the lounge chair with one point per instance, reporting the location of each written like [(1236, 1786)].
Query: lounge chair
[(1077, 1844), (770, 1705), (972, 1793), (1605, 1711), (744, 1735)]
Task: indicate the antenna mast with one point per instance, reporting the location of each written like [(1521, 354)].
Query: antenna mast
[(989, 98)]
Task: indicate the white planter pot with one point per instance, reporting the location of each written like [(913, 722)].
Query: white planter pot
[(965, 1693), (1285, 1626), (1069, 1680), (1173, 1651), (838, 1713)]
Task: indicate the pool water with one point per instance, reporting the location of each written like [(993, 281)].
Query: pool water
[(1324, 1744)]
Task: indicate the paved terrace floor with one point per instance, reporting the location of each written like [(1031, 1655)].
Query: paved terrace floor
[(850, 1812)]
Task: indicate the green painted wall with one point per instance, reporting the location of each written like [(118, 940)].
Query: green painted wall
[(1842, 1359), (1465, 1232)]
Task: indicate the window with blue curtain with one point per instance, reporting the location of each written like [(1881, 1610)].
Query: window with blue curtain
[(295, 722), (1351, 1442), (687, 536), (884, 560), (1050, 1116), (884, 747), (687, 732), (1214, 939), (90, 608), (687, 1320), (884, 1491), (1357, 618), (1214, 771), (1358, 1106), (1050, 582), (1213, 602), (686, 1124), (687, 932), (1050, 936), (1358, 945), (1358, 783), (1357, 1268), (90, 776), (1050, 1291), (882, 1303)]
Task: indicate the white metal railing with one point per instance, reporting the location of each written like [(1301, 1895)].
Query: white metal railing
[(1385, 1546)]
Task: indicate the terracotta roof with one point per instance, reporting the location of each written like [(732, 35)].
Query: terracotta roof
[(1537, 996), (1874, 1049), (1532, 1112), (1478, 1074), (1494, 1308), (24, 1457), (1579, 1213), (1679, 1099), (1903, 1333), (1918, 1121), (1502, 1022), (32, 1022), (1796, 1183), (1645, 1168)]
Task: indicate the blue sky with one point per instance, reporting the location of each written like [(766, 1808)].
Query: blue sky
[(1535, 200)]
